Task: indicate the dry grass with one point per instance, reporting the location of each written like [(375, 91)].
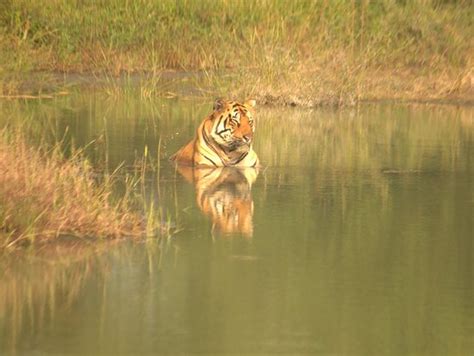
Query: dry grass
[(336, 80), (44, 196)]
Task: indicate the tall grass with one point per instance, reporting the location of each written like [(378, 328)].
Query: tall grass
[(313, 49), (44, 196)]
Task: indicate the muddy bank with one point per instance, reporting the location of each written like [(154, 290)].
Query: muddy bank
[(373, 88)]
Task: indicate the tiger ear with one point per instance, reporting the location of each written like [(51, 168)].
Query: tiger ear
[(251, 102), (218, 104)]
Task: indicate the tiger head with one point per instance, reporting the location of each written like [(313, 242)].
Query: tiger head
[(233, 124)]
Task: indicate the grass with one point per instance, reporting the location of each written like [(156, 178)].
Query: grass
[(299, 52), (45, 196)]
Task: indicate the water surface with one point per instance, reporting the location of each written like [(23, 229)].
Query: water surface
[(354, 238)]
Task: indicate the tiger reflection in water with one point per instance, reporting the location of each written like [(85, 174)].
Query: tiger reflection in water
[(224, 194)]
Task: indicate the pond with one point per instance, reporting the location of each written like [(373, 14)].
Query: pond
[(355, 237)]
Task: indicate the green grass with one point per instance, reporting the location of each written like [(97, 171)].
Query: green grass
[(315, 51)]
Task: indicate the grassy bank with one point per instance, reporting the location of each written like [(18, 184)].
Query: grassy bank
[(44, 196), (284, 51)]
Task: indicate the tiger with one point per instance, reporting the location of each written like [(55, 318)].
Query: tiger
[(224, 195), (224, 138)]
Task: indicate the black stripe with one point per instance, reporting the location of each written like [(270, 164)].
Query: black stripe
[(226, 123), (207, 175), (204, 136), (241, 157), (210, 160), (220, 133), (208, 143)]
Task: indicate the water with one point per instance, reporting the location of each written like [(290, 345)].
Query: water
[(355, 238)]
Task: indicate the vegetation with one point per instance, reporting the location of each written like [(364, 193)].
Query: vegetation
[(44, 196), (279, 51)]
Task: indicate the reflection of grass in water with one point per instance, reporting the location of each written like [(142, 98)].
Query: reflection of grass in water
[(39, 286), (369, 138), (92, 115), (358, 153), (364, 229), (36, 285)]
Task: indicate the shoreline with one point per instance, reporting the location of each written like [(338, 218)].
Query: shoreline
[(181, 83)]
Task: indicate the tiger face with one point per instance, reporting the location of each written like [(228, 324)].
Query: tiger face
[(233, 124)]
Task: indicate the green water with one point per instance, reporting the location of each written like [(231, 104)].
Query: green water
[(355, 237)]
